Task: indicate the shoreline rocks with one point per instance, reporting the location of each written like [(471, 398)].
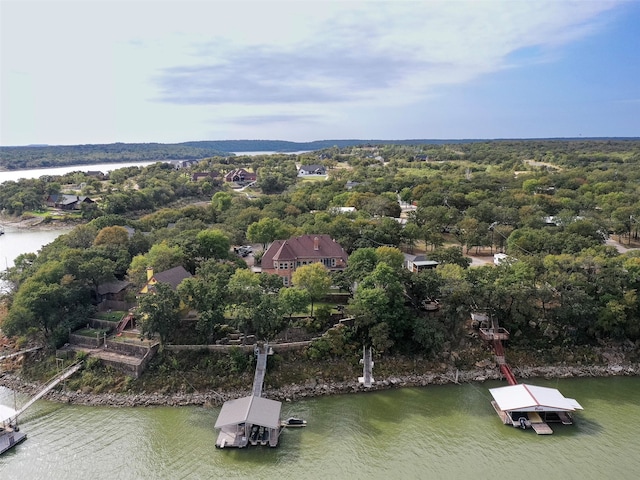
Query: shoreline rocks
[(316, 389)]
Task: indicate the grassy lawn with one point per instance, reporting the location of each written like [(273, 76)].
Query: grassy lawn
[(319, 178), (115, 316), (90, 332), (53, 214), (417, 172)]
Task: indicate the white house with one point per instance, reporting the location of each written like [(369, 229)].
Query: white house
[(306, 170)]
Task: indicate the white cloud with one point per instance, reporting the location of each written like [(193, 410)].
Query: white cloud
[(99, 65)]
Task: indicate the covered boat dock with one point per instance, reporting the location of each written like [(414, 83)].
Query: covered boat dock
[(249, 420), (524, 406)]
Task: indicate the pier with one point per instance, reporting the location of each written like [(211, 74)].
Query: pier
[(520, 405), (10, 434), (252, 420), (17, 354), (261, 368)]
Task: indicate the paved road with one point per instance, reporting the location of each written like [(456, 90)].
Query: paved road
[(621, 248)]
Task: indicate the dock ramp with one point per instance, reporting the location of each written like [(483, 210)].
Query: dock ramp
[(50, 386)]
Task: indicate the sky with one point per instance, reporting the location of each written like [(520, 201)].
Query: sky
[(95, 72)]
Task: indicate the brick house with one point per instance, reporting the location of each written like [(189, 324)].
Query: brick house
[(283, 257), (240, 175)]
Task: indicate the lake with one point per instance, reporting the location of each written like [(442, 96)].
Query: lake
[(16, 241), (435, 432), (15, 175)]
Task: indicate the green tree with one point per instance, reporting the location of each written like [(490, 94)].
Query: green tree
[(159, 312), (267, 230), (221, 201), (293, 300), (115, 235), (207, 292), (213, 243), (244, 294), (361, 263), (313, 278), (391, 256), (160, 257)]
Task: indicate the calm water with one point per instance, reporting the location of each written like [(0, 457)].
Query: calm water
[(17, 241), (15, 175), (442, 432)]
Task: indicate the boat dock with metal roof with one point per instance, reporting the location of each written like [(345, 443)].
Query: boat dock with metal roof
[(252, 420), (521, 405)]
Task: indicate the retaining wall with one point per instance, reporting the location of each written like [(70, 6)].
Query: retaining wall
[(130, 349), (277, 347), (102, 324), (87, 342)]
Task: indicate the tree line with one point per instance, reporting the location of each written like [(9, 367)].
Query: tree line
[(550, 206)]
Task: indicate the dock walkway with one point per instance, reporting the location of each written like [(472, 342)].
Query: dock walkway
[(262, 352), (21, 352), (52, 384)]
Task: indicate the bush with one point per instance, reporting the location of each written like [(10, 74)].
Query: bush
[(240, 361)]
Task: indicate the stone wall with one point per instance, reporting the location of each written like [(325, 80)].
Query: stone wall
[(130, 349), (102, 324), (87, 342), (277, 347)]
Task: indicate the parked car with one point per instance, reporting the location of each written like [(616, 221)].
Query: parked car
[(243, 251)]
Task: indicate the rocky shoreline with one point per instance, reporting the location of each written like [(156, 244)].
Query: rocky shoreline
[(315, 388), (36, 223)]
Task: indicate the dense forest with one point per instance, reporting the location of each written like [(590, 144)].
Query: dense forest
[(550, 205), (42, 156)]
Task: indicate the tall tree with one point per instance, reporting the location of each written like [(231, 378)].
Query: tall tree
[(267, 230), (313, 278), (159, 312)]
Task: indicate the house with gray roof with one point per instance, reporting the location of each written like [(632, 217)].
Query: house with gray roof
[(417, 263), (174, 277), (306, 170), (64, 201)]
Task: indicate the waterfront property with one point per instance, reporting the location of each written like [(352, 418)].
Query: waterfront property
[(283, 257), (67, 202), (174, 276), (525, 406)]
